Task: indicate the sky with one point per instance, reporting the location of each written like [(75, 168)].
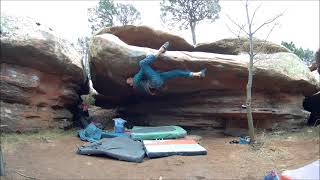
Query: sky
[(300, 22)]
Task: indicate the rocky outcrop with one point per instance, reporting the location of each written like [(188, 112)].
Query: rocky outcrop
[(41, 76), (236, 46), (144, 36), (280, 82)]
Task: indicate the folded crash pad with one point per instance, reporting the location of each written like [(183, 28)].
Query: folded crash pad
[(91, 133), (159, 132), (310, 171), (161, 148), (121, 148)]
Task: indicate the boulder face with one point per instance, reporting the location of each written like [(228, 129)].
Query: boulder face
[(236, 46), (280, 82), (144, 36), (41, 76)]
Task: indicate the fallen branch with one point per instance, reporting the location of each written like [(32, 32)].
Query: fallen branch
[(30, 177)]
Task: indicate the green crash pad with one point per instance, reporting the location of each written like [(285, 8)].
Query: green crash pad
[(159, 132)]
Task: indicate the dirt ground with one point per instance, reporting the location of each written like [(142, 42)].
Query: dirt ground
[(51, 155)]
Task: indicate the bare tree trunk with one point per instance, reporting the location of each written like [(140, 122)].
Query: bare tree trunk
[(250, 34), (249, 84), (193, 29), (249, 99)]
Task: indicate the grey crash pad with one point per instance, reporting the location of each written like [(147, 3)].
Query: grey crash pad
[(121, 148)]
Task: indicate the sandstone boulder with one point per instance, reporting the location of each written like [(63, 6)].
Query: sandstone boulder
[(41, 76), (236, 46), (280, 82), (144, 36)]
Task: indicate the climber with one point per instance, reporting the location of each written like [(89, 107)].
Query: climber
[(148, 81), (82, 112)]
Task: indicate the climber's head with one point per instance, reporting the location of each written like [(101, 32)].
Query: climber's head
[(130, 81)]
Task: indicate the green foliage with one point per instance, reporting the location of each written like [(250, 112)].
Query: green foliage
[(306, 55), (107, 14), (102, 15), (127, 14), (88, 99), (188, 13)]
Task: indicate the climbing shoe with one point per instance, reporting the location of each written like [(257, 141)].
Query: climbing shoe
[(203, 72), (166, 45)]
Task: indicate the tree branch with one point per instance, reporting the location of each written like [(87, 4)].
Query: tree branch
[(234, 33), (254, 13), (268, 22), (248, 19), (240, 27), (30, 177), (250, 34), (265, 40)]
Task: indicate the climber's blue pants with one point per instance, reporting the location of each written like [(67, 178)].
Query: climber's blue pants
[(158, 78)]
